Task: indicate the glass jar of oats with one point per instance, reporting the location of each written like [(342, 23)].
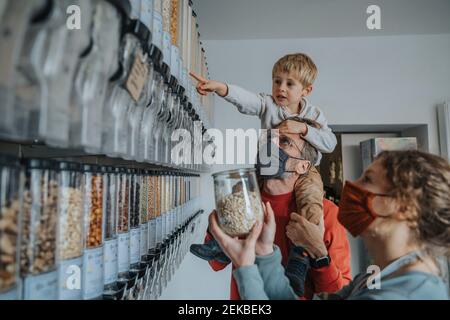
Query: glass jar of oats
[(238, 201)]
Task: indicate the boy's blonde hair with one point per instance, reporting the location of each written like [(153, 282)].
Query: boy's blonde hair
[(300, 65)]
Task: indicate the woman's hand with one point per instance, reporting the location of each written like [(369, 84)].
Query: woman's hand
[(308, 235), (264, 244), (241, 252), (205, 86)]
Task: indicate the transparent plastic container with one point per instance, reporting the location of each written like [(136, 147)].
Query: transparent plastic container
[(11, 190), (90, 87), (38, 230), (134, 217), (143, 213), (146, 15), (123, 222), (70, 231), (145, 150), (115, 121), (167, 41), (92, 274), (93, 205), (238, 200), (176, 37), (157, 38), (15, 22), (110, 250), (151, 210), (135, 113)]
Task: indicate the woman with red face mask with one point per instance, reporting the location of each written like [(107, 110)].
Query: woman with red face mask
[(401, 209)]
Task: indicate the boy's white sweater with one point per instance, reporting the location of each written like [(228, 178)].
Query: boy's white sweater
[(271, 115)]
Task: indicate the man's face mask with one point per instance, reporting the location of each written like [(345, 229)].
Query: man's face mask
[(272, 160)]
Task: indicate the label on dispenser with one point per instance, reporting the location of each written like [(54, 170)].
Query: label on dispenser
[(147, 13), (69, 279), (175, 62), (41, 287), (137, 77), (135, 235), (157, 30), (167, 43), (144, 239), (124, 252), (152, 234), (110, 256), (92, 273)]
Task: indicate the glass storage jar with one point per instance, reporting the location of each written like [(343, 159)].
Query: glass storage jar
[(110, 273), (70, 230), (11, 189), (38, 230), (238, 201), (92, 274)]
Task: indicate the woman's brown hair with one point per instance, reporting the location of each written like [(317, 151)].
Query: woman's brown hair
[(421, 183)]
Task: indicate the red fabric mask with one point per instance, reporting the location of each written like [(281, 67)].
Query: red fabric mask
[(355, 208)]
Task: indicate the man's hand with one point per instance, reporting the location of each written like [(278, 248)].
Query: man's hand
[(241, 252), (205, 86), (264, 244), (308, 235), (292, 126)]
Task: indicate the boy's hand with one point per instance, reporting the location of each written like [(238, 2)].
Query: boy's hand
[(308, 235), (204, 86), (292, 126)]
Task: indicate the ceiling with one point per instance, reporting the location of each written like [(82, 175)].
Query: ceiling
[(268, 19)]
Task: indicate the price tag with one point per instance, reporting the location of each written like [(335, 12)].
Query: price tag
[(137, 77)]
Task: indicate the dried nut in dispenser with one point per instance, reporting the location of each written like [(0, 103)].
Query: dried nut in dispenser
[(238, 215), (8, 239), (71, 240), (95, 215), (39, 238)]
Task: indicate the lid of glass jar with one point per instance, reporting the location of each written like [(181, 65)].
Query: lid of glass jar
[(103, 169), (69, 166), (141, 31), (165, 72), (39, 164), (90, 168), (9, 161), (235, 173), (43, 13), (181, 91), (173, 82), (124, 6), (110, 169), (155, 55)]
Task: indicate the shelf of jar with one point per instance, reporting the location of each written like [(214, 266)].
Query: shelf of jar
[(38, 149)]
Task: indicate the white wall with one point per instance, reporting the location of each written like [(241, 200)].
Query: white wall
[(372, 80)]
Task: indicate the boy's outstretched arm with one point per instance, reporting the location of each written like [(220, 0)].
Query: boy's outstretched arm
[(205, 86), (245, 101)]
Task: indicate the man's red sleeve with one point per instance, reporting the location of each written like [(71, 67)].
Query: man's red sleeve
[(215, 265), (338, 274)]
